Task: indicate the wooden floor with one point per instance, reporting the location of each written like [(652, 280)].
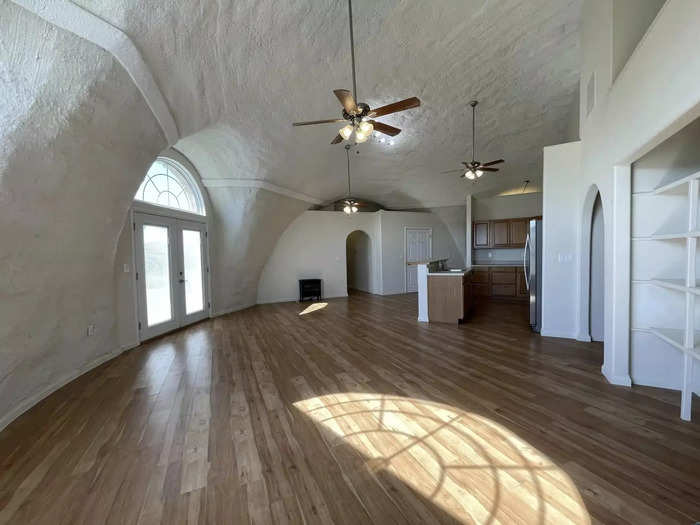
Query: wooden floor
[(352, 413)]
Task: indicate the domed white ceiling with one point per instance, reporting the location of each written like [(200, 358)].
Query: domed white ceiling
[(237, 74)]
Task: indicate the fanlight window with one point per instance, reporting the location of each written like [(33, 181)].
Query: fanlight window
[(168, 184)]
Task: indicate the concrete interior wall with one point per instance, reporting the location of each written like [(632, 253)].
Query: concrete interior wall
[(75, 142), (358, 249), (597, 282)]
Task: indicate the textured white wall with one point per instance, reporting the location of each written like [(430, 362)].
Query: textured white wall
[(313, 247), (75, 141)]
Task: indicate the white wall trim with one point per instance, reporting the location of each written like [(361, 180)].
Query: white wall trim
[(29, 402), (86, 25), (557, 333), (259, 183)]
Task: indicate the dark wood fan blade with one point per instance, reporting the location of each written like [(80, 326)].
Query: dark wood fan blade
[(312, 122), (337, 140), (401, 105), (346, 100), (493, 162), (453, 171), (385, 128), (487, 169)]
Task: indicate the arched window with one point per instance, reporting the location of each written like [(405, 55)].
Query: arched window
[(169, 184)]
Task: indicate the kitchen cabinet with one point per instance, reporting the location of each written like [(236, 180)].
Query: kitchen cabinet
[(481, 234), (503, 282), (500, 233), (517, 232), (450, 297), (522, 288)]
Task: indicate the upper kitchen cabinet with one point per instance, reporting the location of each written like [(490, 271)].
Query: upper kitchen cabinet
[(500, 233), (517, 232), (481, 234)]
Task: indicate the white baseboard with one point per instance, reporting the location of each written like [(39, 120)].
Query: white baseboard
[(556, 333), (620, 380), (584, 338), (29, 402)]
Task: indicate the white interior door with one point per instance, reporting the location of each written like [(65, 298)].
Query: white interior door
[(171, 273), (419, 247)]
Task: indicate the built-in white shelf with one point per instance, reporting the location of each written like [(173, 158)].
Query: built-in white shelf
[(676, 284), (674, 184), (682, 225), (674, 337), (671, 236)]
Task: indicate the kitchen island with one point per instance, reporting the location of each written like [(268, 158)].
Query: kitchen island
[(444, 296)]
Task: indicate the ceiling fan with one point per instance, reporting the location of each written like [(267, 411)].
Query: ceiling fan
[(475, 169), (350, 204), (358, 115)]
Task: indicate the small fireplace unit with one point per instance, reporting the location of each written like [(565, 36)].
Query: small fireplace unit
[(309, 288)]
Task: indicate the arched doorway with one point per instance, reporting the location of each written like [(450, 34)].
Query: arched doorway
[(592, 269), (358, 257), (170, 249), (596, 313)]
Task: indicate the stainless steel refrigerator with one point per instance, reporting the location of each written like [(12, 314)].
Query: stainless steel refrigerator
[(532, 266)]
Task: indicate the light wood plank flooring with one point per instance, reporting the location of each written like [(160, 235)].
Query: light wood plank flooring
[(352, 413)]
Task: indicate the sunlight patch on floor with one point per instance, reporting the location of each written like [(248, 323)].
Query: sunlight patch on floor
[(313, 308), (466, 464)]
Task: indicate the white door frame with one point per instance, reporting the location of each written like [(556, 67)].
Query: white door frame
[(176, 222), (405, 251)]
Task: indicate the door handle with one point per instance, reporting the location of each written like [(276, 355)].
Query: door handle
[(527, 277), (183, 280)]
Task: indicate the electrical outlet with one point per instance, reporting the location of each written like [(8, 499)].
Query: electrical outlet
[(91, 330), (127, 268)]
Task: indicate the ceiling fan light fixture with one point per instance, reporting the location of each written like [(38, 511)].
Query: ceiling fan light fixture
[(346, 131), (353, 209), (347, 209), (361, 137), (366, 127), (479, 173), (470, 175)]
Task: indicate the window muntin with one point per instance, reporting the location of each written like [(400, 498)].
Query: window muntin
[(168, 184)]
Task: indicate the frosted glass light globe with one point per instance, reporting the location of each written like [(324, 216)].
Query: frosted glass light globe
[(346, 131), (366, 127), (361, 137)]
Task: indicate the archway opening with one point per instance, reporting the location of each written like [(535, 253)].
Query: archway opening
[(596, 312), (358, 257)]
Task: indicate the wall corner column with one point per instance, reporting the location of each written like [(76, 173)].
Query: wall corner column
[(616, 366)]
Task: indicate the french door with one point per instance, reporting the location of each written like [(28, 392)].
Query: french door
[(419, 247), (171, 273)]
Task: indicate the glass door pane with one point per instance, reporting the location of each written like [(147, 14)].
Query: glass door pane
[(192, 268), (157, 274)]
